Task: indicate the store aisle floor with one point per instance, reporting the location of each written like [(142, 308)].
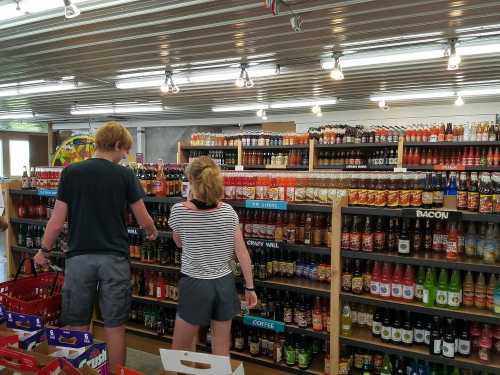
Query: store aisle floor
[(150, 364)]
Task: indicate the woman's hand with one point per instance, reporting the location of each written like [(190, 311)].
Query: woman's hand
[(250, 299)]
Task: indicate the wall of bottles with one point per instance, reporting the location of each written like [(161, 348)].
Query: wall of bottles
[(369, 158), (277, 159), (223, 158)]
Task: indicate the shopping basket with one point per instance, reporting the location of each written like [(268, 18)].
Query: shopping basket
[(38, 295)]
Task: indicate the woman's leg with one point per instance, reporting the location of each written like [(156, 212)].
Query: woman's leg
[(221, 337), (185, 335)]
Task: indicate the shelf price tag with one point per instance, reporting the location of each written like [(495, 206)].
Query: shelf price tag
[(47, 192), (258, 322), (432, 214), (266, 205), (444, 167), (264, 243)]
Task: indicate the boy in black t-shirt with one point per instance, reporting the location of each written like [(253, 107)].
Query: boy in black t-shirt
[(93, 196)]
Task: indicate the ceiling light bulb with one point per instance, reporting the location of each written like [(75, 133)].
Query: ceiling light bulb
[(316, 109), (249, 83), (381, 104), (264, 117), (175, 89), (70, 10), (337, 74), (319, 114), (454, 59), (260, 113), (165, 87), (459, 101)]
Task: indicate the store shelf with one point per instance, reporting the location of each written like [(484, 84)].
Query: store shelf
[(170, 200), (478, 168), (138, 329), (357, 145), (451, 144), (295, 285), (208, 148), (274, 147), (469, 313), (39, 222), (21, 249), (466, 215), (357, 168), (427, 260), (143, 299), (272, 168), (291, 206), (307, 249), (23, 191), (153, 266), (362, 338)]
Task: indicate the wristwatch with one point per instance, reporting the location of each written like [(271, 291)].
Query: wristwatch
[(249, 289), (45, 251)]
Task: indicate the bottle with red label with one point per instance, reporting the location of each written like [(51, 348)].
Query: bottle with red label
[(397, 283), (452, 241), (355, 235), (375, 280), (409, 284), (367, 236), (386, 281)]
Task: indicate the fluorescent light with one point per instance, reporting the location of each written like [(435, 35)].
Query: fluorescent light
[(410, 96), (304, 103), (119, 108), (402, 37), (479, 92), (479, 49), (237, 108), (16, 115), (21, 89), (478, 28), (142, 74)]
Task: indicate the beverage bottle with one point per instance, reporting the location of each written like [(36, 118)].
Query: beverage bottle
[(367, 276), (437, 238), (455, 290), (448, 340), (367, 236), (452, 241), (428, 192), (485, 344), (442, 288), (375, 279), (490, 290), (490, 244), (25, 180), (355, 235), (480, 292), (429, 292), (496, 297), (397, 283), (300, 231), (419, 330), (386, 330), (468, 290), (435, 345), (417, 241), (481, 241), (386, 281), (357, 278), (416, 190), (345, 239), (346, 321), (391, 236), (396, 329), (379, 236), (464, 340), (438, 190), (428, 236), (347, 275), (419, 285), (408, 284), (404, 239), (485, 193), (471, 240), (386, 366), (407, 330), (308, 229), (317, 321), (377, 322), (462, 191), (473, 193)]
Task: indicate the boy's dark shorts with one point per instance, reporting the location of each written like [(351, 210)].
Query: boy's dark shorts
[(202, 300), (90, 277)]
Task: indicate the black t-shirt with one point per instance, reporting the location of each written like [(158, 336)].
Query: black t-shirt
[(97, 193)]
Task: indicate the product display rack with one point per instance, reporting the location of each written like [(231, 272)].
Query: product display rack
[(305, 287)]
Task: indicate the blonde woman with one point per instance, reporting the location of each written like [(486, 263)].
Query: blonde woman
[(209, 234)]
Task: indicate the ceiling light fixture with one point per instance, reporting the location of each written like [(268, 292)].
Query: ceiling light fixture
[(336, 72), (264, 115), (40, 86), (260, 113), (410, 96), (315, 109), (459, 101), (168, 86), (244, 79), (237, 108), (70, 9), (119, 108), (454, 58), (16, 115), (381, 103), (304, 103)]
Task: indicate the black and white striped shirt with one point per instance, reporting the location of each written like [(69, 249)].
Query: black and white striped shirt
[(207, 239)]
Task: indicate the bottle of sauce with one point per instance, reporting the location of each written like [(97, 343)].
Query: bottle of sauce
[(347, 276), (408, 284), (367, 236), (404, 239), (375, 279), (393, 192), (485, 194), (419, 284), (357, 278), (386, 281), (480, 292), (279, 229), (418, 183), (455, 290), (345, 236), (452, 241), (442, 288), (397, 283), (427, 194), (381, 192), (473, 193), (379, 235), (316, 231), (468, 290), (300, 231), (355, 235)]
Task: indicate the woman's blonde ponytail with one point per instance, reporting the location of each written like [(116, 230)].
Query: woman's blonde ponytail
[(205, 180)]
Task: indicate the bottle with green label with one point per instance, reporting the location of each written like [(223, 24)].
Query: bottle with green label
[(290, 351), (455, 290), (303, 356), (386, 366), (496, 297), (419, 284), (429, 292), (442, 288)]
